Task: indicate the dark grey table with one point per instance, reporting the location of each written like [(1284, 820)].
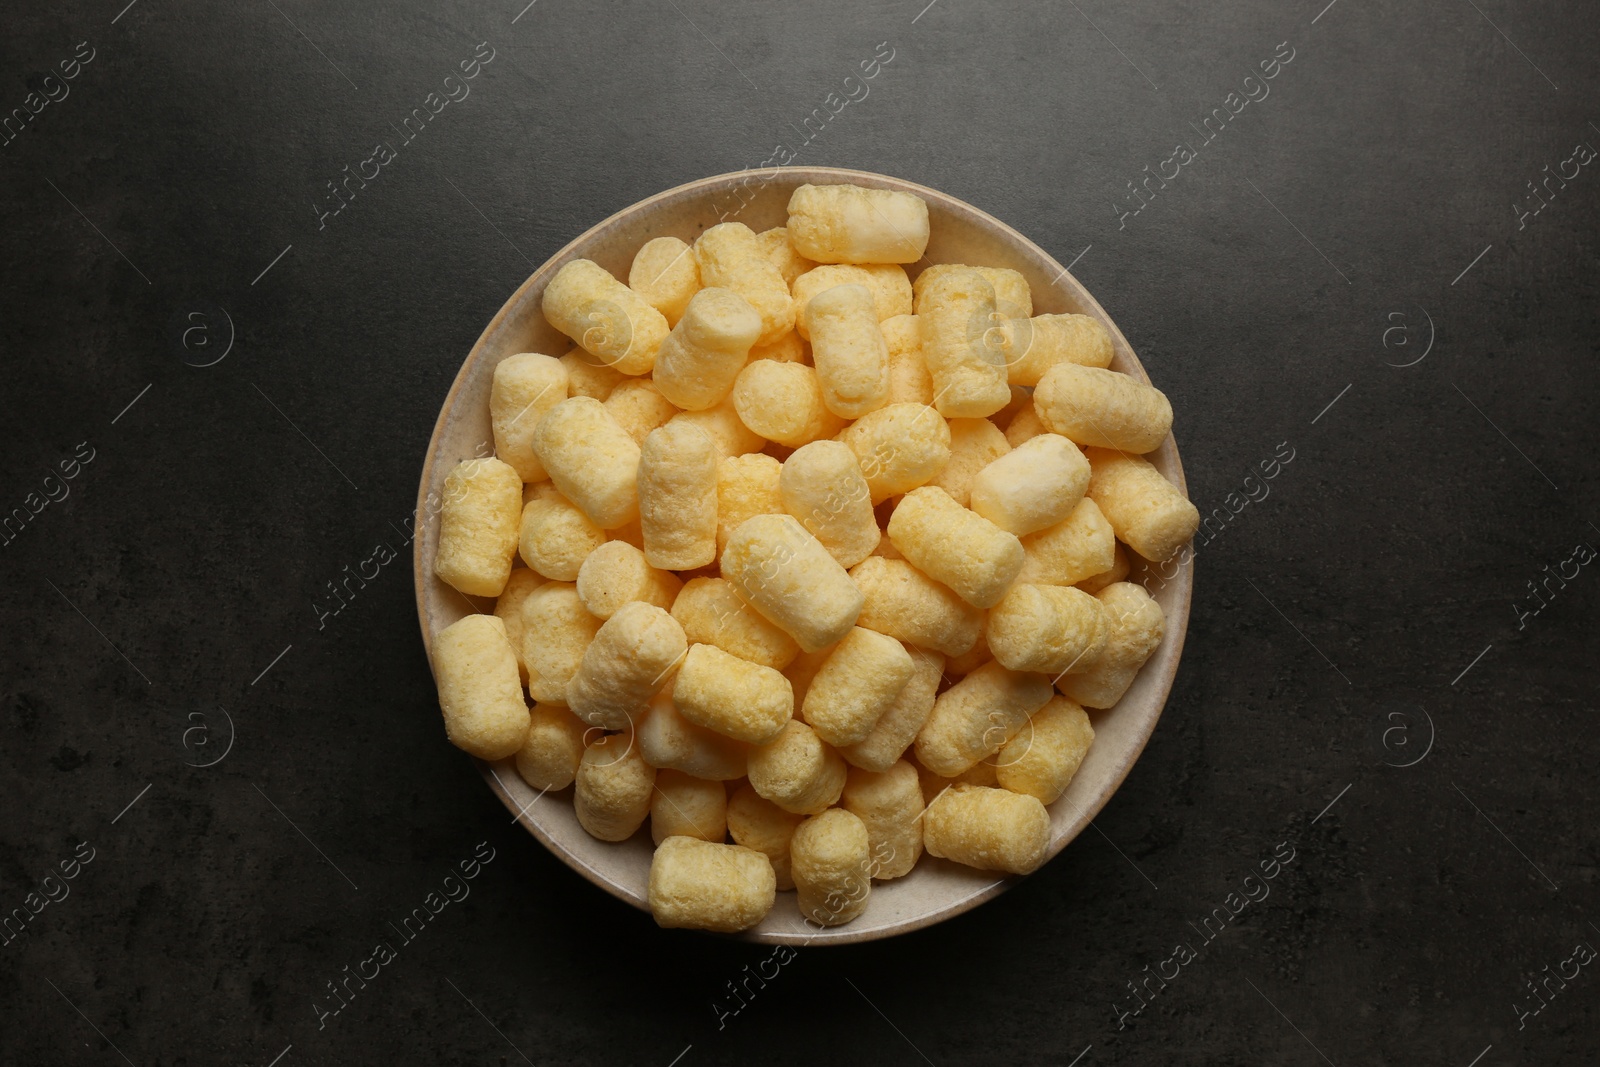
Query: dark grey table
[(220, 373)]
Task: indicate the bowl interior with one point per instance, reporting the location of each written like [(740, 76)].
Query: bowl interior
[(936, 889)]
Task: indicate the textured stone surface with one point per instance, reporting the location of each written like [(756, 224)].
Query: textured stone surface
[(143, 610)]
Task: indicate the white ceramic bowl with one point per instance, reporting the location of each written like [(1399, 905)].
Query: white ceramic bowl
[(936, 889)]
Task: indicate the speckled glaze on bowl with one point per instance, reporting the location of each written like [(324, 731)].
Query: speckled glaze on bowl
[(936, 889)]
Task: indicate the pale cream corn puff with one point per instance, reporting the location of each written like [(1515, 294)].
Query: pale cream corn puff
[(639, 407), (909, 381), (1024, 426), (586, 377), (960, 342), (671, 742), (1073, 550), (677, 483), (756, 822), (778, 248), (614, 787), (1033, 487), (703, 355), (556, 630), (1148, 513), (1034, 345), (830, 858), (1118, 572), (591, 459), (478, 526), (525, 386), (731, 257), (901, 601), (975, 717), (625, 665), (953, 545), (721, 423), (479, 694), (889, 804), (1103, 408), (974, 445), (887, 282), (734, 697), (746, 486), (711, 613), (848, 349), (616, 574), (991, 829), (855, 686), (1053, 629), (1044, 755), (666, 274), (702, 885), (549, 758), (1012, 297), (783, 403), (854, 224), (899, 724), (790, 579), (1136, 626), (611, 322), (822, 485), (508, 609), (797, 771), (899, 447), (554, 536), (684, 806)]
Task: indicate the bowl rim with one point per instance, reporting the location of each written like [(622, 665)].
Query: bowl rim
[(1177, 620)]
